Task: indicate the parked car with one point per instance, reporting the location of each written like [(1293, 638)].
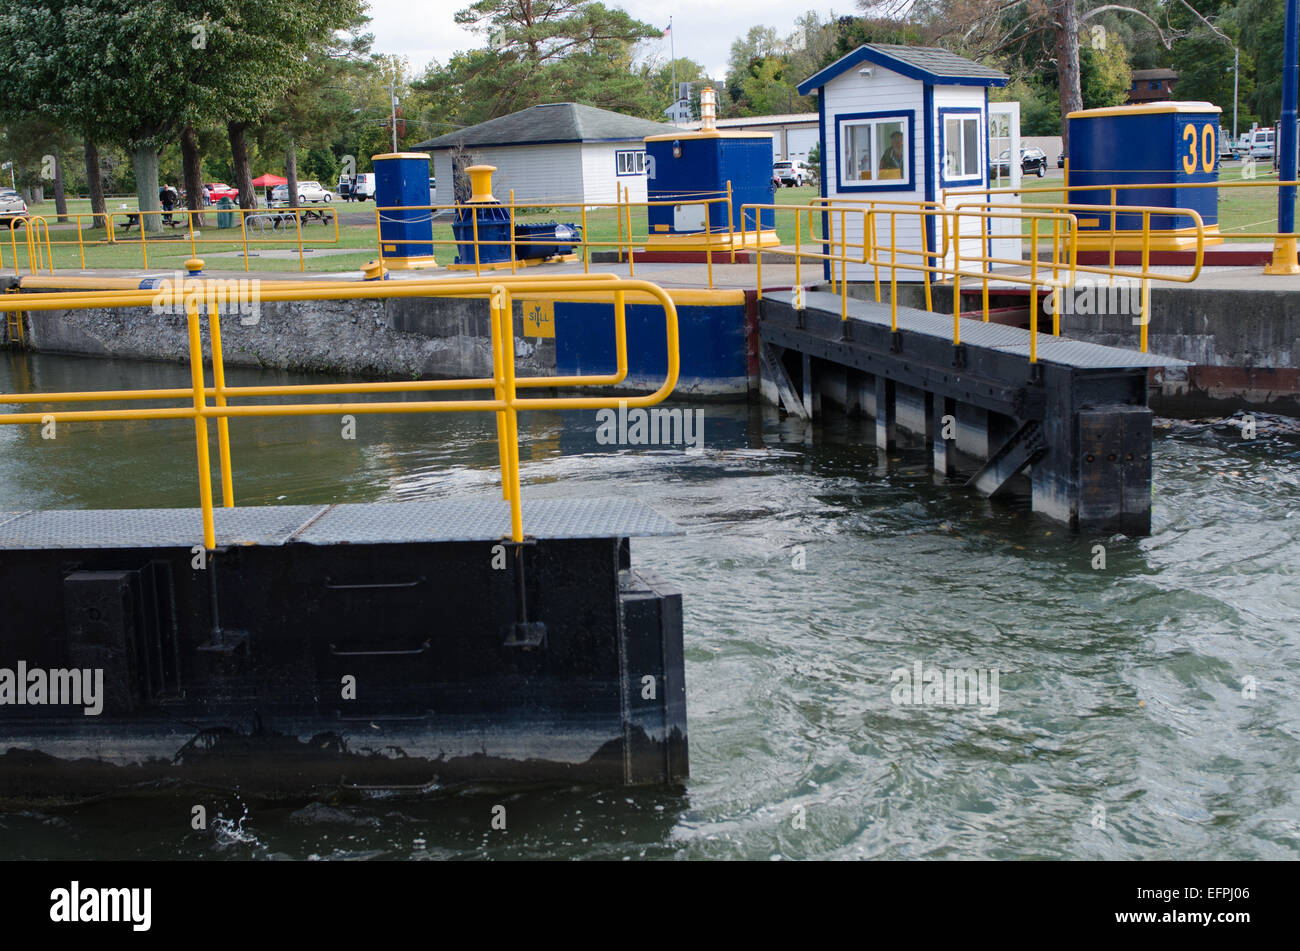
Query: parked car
[(1032, 161), (1060, 160), (309, 193), (365, 186), (1261, 143), (789, 174), (12, 205), (219, 190)]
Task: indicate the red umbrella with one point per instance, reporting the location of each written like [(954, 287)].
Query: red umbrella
[(269, 180)]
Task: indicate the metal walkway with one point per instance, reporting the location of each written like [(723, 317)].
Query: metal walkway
[(977, 333), (372, 523)]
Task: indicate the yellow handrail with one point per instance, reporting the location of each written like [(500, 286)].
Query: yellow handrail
[(503, 383)]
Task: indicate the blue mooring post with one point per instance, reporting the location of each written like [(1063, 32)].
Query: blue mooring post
[(1284, 249)]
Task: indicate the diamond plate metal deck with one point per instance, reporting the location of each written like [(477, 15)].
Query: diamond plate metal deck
[(364, 523), (976, 333)]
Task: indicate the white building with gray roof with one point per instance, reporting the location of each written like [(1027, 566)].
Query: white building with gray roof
[(561, 152)]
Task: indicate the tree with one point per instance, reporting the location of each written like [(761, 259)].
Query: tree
[(1036, 33), (542, 51)]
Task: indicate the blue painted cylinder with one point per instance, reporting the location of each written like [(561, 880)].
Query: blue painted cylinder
[(1159, 143), (493, 226), (695, 165), (401, 186)]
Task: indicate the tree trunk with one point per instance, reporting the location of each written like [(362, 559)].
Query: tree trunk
[(243, 173), (60, 200), (95, 182), (192, 163), (145, 162), (1067, 65), (291, 172)]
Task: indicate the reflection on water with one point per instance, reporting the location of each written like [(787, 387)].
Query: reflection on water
[(1147, 710)]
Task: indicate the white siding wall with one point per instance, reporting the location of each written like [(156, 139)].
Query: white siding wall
[(960, 97), (884, 91), (600, 172), (537, 173), (1010, 247), (569, 172)]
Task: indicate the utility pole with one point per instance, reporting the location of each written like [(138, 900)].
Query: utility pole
[(392, 107), (1284, 249), (1236, 56)]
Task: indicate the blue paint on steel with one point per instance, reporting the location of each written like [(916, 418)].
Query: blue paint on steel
[(963, 112), (705, 166), (1286, 135), (399, 184), (493, 226), (711, 341), (927, 106), (821, 157), (1151, 147), (988, 158), (908, 185), (865, 54), (150, 283)]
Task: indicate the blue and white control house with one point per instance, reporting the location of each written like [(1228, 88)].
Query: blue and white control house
[(906, 124)]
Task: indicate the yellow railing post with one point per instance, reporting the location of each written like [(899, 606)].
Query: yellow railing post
[(1033, 292), (956, 279), (201, 425), (586, 243), (501, 301), (243, 234), (731, 224), (631, 255), (512, 231), (297, 221), (223, 422)]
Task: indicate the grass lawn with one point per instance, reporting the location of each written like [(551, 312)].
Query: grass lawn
[(222, 250), (1241, 211)]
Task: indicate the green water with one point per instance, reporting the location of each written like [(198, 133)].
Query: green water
[(1126, 725)]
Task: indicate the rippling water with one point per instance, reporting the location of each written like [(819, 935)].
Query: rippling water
[(1147, 710)]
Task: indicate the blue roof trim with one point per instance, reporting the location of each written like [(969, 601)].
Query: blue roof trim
[(865, 54)]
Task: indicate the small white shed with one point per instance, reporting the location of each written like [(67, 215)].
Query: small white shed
[(903, 123), (560, 152)]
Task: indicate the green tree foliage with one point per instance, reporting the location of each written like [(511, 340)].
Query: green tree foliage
[(542, 51), (1104, 75), (134, 74)]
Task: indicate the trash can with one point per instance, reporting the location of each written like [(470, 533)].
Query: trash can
[(225, 217)]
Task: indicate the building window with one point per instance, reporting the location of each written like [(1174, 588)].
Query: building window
[(1153, 84), (630, 162), (962, 146), (875, 152)]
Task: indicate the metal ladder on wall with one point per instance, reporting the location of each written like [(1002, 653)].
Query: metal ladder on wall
[(17, 336)]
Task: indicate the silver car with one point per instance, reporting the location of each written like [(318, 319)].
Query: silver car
[(309, 192), (11, 205)]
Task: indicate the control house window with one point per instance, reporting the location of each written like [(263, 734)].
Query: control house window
[(875, 152), (630, 162), (962, 146)]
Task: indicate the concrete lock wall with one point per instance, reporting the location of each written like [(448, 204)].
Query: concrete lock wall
[(399, 337), (433, 338)]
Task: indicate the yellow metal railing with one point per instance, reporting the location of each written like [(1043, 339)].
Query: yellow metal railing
[(877, 244), (504, 384), (183, 231), (38, 255), (1115, 190), (625, 240)]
